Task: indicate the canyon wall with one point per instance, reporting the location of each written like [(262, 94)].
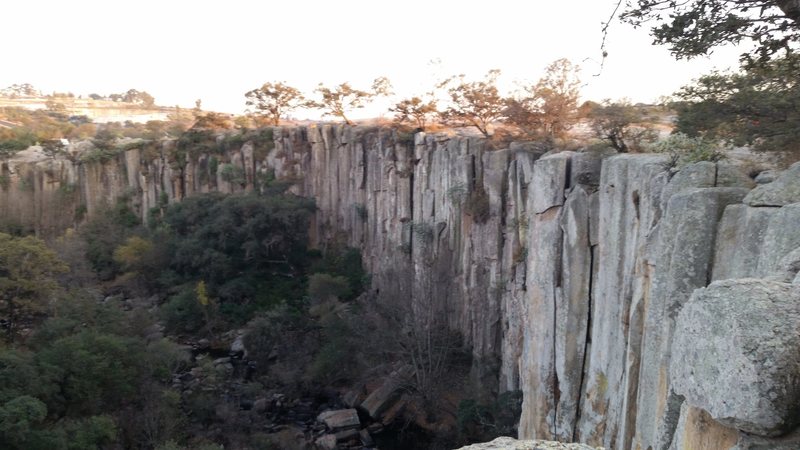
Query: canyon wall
[(618, 293)]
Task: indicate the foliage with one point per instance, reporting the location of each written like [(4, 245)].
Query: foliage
[(182, 313), (27, 283), (686, 149), (621, 125), (272, 100), (548, 108), (233, 174), (107, 229), (248, 249), (757, 106), (337, 101), (475, 103), (693, 28), (347, 263), (477, 205), (414, 110), (323, 286), (81, 365), (481, 421)]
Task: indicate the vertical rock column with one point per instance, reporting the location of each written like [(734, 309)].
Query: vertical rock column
[(559, 276)]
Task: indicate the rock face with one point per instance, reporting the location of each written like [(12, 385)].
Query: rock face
[(507, 443), (567, 274), (743, 337)]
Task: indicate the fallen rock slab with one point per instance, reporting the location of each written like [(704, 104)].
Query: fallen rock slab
[(340, 419)]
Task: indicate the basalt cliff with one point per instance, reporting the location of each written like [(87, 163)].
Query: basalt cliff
[(636, 305)]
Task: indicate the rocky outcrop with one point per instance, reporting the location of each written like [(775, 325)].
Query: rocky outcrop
[(574, 278), (507, 443), (742, 337)]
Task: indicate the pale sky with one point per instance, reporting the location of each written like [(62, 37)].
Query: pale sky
[(180, 50)]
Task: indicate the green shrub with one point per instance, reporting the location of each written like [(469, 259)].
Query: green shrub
[(183, 313), (233, 174), (687, 150), (323, 286)]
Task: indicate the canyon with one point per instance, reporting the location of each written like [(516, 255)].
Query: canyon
[(635, 303)]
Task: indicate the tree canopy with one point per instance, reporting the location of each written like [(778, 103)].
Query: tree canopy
[(27, 271), (694, 27), (339, 100), (757, 106), (272, 100), (473, 103)]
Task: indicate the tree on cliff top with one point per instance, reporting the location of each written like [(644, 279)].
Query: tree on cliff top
[(694, 27), (759, 106), (548, 108), (272, 100), (473, 103), (415, 110), (337, 101)]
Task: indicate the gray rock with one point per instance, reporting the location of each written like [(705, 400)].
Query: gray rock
[(340, 419), (507, 443), (782, 191), (260, 405), (550, 170), (788, 267), (238, 345), (767, 176), (327, 442), (366, 438), (383, 398), (730, 175), (737, 354)]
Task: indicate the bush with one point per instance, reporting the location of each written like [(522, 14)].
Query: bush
[(477, 205), (233, 174), (182, 313), (687, 150), (323, 286)]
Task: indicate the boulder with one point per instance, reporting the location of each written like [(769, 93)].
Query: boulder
[(340, 419), (507, 443), (736, 354), (327, 442), (385, 396), (767, 176), (784, 190), (788, 267)]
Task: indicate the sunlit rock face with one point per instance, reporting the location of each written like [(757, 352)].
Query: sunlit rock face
[(575, 278)]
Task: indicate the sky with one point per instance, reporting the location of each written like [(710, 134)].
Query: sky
[(180, 50)]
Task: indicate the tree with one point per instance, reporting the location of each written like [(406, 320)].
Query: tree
[(339, 100), (475, 103), (694, 27), (621, 124), (414, 110), (139, 97), (27, 283), (550, 107), (758, 106), (20, 90), (272, 100)]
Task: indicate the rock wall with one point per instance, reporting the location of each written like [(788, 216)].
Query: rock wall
[(570, 276)]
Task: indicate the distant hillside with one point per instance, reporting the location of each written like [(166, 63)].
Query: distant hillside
[(99, 111)]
